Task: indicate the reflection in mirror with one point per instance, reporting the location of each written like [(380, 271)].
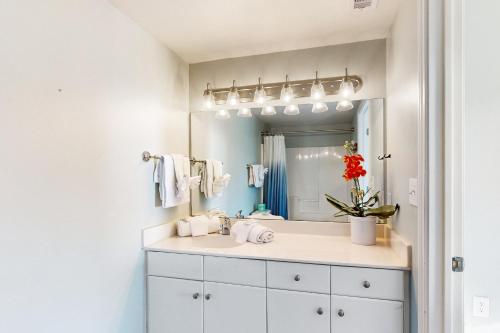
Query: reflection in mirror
[(287, 162)]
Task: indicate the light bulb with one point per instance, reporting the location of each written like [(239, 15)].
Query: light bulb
[(286, 95), (344, 105), (244, 113), (260, 95), (222, 114), (317, 89), (208, 98), (233, 97), (346, 89), (319, 107), (268, 110), (292, 110)]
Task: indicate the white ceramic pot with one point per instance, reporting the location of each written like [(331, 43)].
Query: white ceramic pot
[(363, 230)]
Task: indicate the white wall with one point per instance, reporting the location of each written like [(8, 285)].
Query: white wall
[(402, 123), (83, 91), (481, 73), (366, 59)]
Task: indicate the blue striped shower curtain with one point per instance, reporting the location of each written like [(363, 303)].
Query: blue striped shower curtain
[(275, 186)]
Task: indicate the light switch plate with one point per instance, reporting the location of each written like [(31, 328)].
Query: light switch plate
[(481, 307), (412, 192)]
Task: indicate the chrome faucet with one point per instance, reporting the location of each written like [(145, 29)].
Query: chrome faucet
[(225, 226), (239, 215)]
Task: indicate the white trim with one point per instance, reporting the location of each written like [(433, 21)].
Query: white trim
[(422, 269), (454, 115)]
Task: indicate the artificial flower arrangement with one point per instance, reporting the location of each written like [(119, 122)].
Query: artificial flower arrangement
[(363, 213)]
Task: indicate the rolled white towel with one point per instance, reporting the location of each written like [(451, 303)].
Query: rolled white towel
[(251, 231), (260, 234), (241, 229)]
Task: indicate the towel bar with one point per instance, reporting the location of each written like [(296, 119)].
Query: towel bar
[(147, 156)]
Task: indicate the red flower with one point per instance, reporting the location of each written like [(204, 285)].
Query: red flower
[(353, 167)]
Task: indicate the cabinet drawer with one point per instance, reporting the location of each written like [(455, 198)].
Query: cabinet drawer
[(368, 282), (297, 312), (353, 314), (184, 266), (300, 277), (235, 271)]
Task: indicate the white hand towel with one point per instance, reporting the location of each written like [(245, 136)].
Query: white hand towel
[(199, 228), (182, 173), (259, 173), (184, 225), (260, 234), (194, 182), (207, 179), (218, 184), (251, 177), (164, 175)]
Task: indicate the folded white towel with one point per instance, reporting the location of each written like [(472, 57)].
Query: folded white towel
[(199, 228), (251, 231), (184, 225), (260, 234)]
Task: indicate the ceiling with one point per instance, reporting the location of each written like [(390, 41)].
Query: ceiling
[(200, 30), (307, 118)]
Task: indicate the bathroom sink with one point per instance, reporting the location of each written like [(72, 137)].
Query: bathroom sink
[(215, 242)]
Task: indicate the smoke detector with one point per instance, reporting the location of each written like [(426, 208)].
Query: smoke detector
[(365, 4)]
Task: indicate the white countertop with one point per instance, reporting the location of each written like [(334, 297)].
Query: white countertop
[(331, 248)]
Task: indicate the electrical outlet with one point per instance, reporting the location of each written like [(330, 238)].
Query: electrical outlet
[(412, 192), (481, 307)]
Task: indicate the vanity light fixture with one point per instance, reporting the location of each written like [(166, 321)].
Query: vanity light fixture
[(346, 92), (317, 89), (233, 97), (222, 114), (260, 95), (286, 95), (244, 113), (208, 98), (268, 110), (319, 107), (291, 110)]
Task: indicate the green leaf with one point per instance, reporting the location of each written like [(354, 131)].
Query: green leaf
[(382, 212)]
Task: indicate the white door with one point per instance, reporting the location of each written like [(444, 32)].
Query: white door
[(174, 305), (231, 308), (297, 312), (358, 315), (472, 185)]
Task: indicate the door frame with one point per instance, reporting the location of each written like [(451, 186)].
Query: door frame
[(454, 164)]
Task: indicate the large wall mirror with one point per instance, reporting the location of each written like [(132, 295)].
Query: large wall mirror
[(304, 152)]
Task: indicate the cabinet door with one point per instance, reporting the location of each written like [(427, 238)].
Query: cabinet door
[(232, 308), (356, 315), (174, 305), (297, 312)]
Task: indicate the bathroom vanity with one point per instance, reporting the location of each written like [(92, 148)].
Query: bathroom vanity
[(310, 279)]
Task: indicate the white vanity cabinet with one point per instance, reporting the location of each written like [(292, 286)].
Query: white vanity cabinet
[(174, 305), (231, 308), (297, 312), (213, 294)]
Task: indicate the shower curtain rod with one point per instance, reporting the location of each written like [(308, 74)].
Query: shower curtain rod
[(337, 131)]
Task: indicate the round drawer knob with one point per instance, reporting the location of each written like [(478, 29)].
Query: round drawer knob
[(297, 278), (208, 296), (366, 284), (340, 313), (319, 311), (196, 295)]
